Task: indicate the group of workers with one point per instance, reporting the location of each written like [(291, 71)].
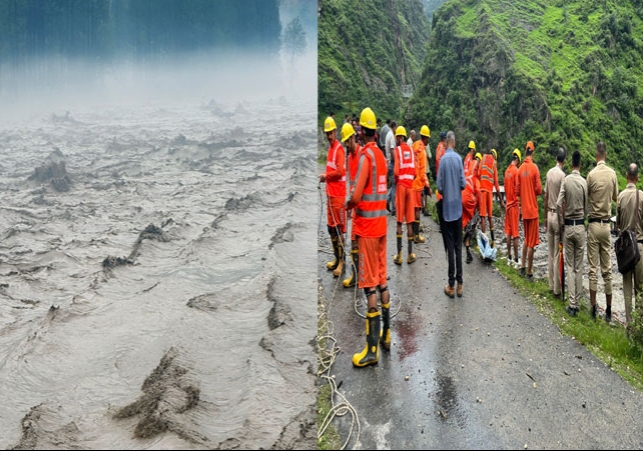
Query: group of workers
[(465, 189)]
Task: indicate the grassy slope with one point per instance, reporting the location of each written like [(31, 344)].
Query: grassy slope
[(552, 71), (367, 50)]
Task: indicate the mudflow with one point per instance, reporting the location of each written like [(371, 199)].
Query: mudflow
[(145, 290)]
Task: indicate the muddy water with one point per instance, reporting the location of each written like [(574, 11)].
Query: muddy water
[(152, 304)]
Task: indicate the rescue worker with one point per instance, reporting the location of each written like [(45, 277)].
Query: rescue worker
[(439, 153), (528, 188), (390, 144), (602, 189), (350, 141), (404, 172), (369, 201), (554, 181), (469, 206), (421, 181), (512, 229), (335, 178), (572, 207), (628, 219), (469, 156), (488, 175)]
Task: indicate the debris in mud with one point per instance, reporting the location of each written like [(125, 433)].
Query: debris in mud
[(112, 262), (282, 235), (53, 170), (203, 302), (151, 232), (167, 394), (37, 434)]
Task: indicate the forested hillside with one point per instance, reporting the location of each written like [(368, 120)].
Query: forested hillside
[(368, 50), (553, 71)]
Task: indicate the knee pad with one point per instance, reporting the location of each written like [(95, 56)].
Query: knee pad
[(369, 292), (383, 290)]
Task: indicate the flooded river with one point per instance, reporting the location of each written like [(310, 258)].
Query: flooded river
[(147, 296)]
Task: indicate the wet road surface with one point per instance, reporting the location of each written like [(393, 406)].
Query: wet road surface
[(484, 371)]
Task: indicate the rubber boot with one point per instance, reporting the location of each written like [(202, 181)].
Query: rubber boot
[(592, 302), (412, 256), (469, 256), (352, 280), (419, 239), (331, 266), (608, 309), (340, 256), (371, 352), (385, 339), (493, 239), (398, 257)]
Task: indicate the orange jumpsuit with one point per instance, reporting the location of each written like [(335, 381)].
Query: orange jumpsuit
[(470, 198), (336, 186), (488, 176), (513, 207), (353, 161), (369, 200), (528, 188), (420, 167), (405, 173), (439, 153)]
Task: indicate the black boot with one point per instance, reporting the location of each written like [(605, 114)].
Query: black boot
[(385, 340), (371, 353), (331, 266), (352, 280), (398, 257), (469, 256)]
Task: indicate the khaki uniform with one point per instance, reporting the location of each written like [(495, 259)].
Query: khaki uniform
[(573, 194), (626, 219), (602, 189), (555, 178)]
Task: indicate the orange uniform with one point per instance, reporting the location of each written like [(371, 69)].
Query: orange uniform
[(470, 198), (369, 200), (488, 176), (420, 180), (336, 186), (353, 161), (528, 187), (468, 159), (405, 173), (439, 153), (513, 207)]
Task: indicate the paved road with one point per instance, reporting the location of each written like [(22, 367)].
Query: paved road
[(469, 363)]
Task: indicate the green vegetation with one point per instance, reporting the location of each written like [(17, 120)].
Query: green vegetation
[(608, 342), (556, 72), (331, 439), (367, 51)]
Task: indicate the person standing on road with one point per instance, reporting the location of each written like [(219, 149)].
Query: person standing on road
[(335, 178), (468, 159), (369, 201), (629, 216), (439, 153), (555, 177), (381, 141), (512, 215), (411, 139), (421, 181), (451, 183), (602, 189), (488, 176), (571, 208), (528, 188), (350, 141), (404, 172), (390, 144)]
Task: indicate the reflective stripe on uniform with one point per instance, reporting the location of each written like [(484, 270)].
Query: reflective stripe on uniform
[(371, 213)]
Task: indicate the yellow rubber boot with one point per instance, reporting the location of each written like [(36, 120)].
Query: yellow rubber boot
[(371, 353), (419, 239), (385, 339), (412, 256), (339, 270), (352, 280), (332, 265)]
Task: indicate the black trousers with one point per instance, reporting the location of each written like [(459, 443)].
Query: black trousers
[(438, 207), (452, 233)]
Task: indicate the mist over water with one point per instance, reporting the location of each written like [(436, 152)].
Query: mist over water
[(166, 209)]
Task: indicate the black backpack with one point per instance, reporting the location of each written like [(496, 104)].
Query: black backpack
[(626, 247)]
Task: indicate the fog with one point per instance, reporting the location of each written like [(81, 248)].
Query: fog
[(57, 85)]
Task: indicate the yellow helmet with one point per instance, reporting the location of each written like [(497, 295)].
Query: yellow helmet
[(347, 131), (495, 154), (367, 119), (329, 124), (472, 145), (400, 131), (424, 131), (517, 153), (478, 156)]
